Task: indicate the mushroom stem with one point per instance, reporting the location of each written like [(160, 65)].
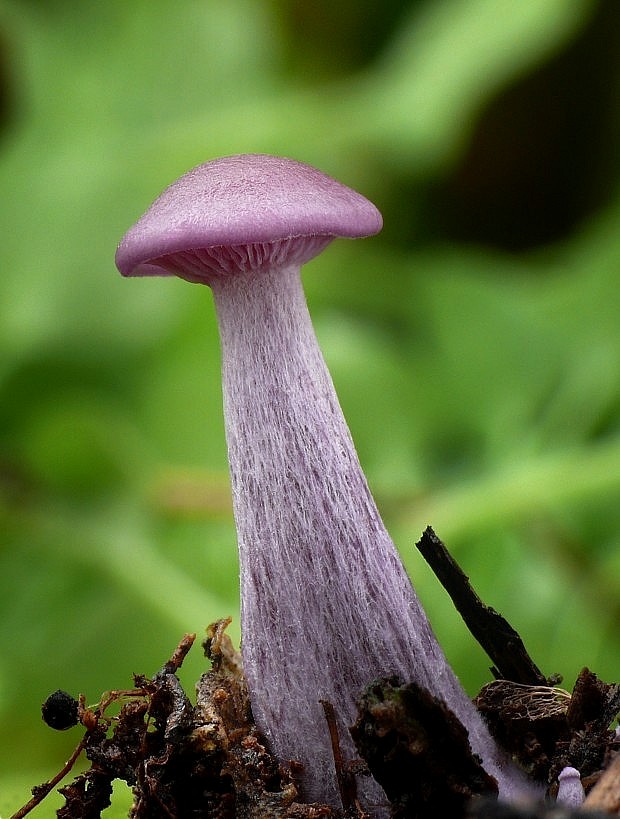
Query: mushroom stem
[(326, 603)]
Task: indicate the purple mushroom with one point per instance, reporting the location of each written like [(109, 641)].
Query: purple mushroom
[(326, 603), (570, 790)]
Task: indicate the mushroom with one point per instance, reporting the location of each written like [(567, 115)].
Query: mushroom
[(570, 790), (327, 605)]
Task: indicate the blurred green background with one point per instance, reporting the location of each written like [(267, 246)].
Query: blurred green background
[(475, 344)]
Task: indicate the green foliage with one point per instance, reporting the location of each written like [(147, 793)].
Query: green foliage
[(482, 386)]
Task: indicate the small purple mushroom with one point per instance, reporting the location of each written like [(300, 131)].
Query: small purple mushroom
[(570, 790), (326, 603)]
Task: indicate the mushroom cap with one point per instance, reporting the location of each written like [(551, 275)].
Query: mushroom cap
[(283, 210)]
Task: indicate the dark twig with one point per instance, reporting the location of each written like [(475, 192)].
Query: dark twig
[(496, 636), (346, 782)]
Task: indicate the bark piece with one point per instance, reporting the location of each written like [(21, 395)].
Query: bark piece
[(418, 751)]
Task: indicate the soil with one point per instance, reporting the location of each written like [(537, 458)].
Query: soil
[(204, 757)]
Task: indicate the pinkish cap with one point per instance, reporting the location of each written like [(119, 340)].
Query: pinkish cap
[(243, 211)]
